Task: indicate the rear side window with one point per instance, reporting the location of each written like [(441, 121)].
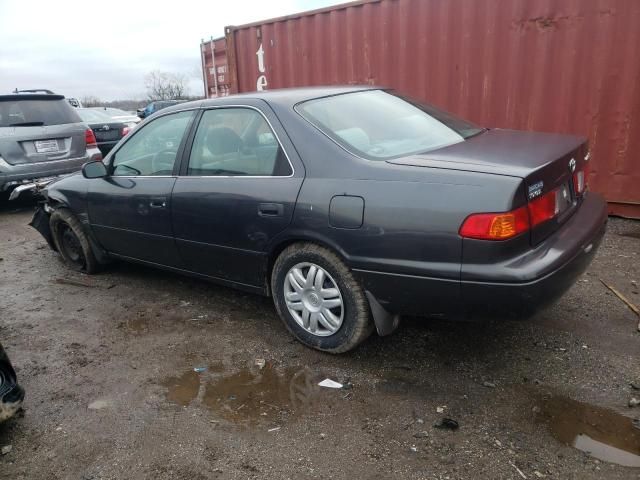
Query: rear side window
[(378, 125), (236, 142), (16, 113)]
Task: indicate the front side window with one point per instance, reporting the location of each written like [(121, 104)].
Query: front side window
[(378, 125), (152, 151), (236, 142)]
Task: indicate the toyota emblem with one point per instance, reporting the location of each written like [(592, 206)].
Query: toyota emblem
[(572, 165), (106, 128)]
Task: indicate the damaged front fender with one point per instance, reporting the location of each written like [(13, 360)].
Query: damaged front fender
[(40, 222)]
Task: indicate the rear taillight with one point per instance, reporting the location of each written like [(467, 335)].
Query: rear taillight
[(125, 131), (502, 226), (544, 208), (580, 180), (90, 138), (496, 226)]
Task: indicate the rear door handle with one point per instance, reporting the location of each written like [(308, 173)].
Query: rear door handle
[(270, 209), (158, 202)]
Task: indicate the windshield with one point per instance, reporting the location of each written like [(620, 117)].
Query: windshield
[(16, 113), (378, 125), (92, 116)]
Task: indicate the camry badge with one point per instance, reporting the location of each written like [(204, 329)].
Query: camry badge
[(572, 165)]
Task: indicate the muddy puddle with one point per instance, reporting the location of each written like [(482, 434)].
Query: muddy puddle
[(144, 322), (599, 432), (252, 395)]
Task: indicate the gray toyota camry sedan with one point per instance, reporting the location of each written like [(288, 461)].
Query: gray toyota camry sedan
[(350, 206)]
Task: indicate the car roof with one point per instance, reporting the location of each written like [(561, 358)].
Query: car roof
[(31, 96), (285, 97)]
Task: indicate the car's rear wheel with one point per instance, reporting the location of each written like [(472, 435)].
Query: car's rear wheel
[(319, 300), (72, 242)]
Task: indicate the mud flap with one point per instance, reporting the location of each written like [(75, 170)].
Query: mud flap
[(40, 222), (386, 323)]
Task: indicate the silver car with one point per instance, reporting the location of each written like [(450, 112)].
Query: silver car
[(41, 137)]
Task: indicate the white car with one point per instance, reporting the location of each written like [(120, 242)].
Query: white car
[(118, 115)]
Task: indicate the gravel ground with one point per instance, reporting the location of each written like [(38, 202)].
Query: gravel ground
[(108, 365)]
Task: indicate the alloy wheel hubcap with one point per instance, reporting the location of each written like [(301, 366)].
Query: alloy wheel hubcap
[(314, 299)]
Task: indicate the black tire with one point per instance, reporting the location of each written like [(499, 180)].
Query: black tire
[(72, 242), (356, 324)]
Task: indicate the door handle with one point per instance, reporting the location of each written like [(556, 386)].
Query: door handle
[(270, 209), (160, 202)]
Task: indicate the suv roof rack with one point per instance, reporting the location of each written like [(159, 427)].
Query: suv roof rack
[(34, 90)]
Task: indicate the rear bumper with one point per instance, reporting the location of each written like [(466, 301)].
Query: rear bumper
[(105, 147), (13, 175), (533, 280), (562, 257)]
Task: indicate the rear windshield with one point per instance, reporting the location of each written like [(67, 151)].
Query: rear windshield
[(33, 113), (379, 125), (92, 116)]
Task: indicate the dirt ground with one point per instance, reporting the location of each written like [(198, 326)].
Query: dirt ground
[(108, 362)]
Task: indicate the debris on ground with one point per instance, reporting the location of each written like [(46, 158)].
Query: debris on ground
[(446, 424), (624, 299), (635, 385), (518, 470), (275, 429), (636, 423), (199, 369), (421, 434), (489, 384), (634, 402), (441, 409), (538, 474), (75, 283), (413, 448), (99, 404), (6, 449), (260, 363), (323, 436), (328, 383)]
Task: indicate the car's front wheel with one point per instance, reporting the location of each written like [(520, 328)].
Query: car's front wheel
[(72, 242), (319, 300)]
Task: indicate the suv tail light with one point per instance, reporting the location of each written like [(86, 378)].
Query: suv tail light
[(90, 138), (502, 226)]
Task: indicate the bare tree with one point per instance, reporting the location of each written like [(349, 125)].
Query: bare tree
[(165, 85), (91, 101)]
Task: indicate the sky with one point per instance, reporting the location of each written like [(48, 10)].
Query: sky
[(104, 49)]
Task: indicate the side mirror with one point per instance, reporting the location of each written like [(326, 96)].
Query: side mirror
[(95, 169)]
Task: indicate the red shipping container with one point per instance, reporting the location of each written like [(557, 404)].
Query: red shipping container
[(568, 66)]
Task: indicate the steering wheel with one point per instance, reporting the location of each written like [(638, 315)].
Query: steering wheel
[(163, 161)]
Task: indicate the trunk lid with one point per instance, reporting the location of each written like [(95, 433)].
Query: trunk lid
[(107, 132), (543, 161)]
